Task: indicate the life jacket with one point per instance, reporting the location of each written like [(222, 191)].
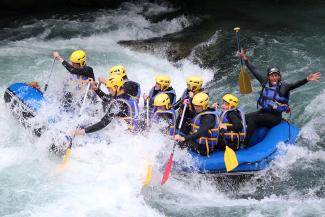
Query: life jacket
[(185, 95), (210, 139), (270, 99), (231, 136), (152, 97), (132, 118), (171, 112)]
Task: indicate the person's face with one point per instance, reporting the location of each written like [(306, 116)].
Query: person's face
[(161, 108), (76, 65), (225, 106), (157, 86), (112, 91), (274, 78), (198, 108)]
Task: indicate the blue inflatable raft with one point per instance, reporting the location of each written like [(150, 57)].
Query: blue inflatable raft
[(25, 95), (24, 101), (252, 159)]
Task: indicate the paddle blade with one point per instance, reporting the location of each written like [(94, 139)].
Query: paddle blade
[(167, 169), (230, 159), (245, 85), (148, 177), (64, 162)]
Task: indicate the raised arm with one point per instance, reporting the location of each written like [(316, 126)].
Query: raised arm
[(314, 76), (257, 74)]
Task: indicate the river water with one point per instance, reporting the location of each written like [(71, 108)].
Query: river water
[(104, 176)]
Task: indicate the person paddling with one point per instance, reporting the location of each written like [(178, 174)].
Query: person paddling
[(205, 127), (78, 65), (163, 114), (273, 99), (194, 85), (162, 86), (134, 87), (232, 126), (121, 106), (79, 71)]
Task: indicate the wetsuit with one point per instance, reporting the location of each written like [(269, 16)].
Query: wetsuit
[(114, 109), (235, 125), (86, 71), (129, 88), (207, 122), (133, 87), (267, 118), (189, 113)]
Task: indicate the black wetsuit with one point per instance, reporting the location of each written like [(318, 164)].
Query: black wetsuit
[(129, 88), (189, 113), (207, 122), (86, 71), (236, 126), (133, 87), (262, 117), (114, 109)]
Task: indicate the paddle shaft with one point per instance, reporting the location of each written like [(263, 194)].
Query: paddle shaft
[(147, 110), (180, 125), (84, 99), (170, 161), (238, 45), (81, 109), (46, 85), (182, 118)]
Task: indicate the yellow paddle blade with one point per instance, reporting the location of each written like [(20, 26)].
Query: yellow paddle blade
[(148, 177), (64, 162), (245, 85), (230, 159)]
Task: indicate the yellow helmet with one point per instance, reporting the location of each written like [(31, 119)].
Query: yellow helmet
[(115, 82), (194, 82), (201, 99), (162, 100), (231, 100), (118, 69), (164, 81), (78, 57)]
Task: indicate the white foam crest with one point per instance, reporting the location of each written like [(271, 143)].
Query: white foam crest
[(101, 175), (205, 196), (313, 130), (295, 155)]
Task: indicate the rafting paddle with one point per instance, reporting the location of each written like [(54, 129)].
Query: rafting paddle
[(67, 154), (48, 80), (230, 159), (148, 177), (170, 161), (245, 86)]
